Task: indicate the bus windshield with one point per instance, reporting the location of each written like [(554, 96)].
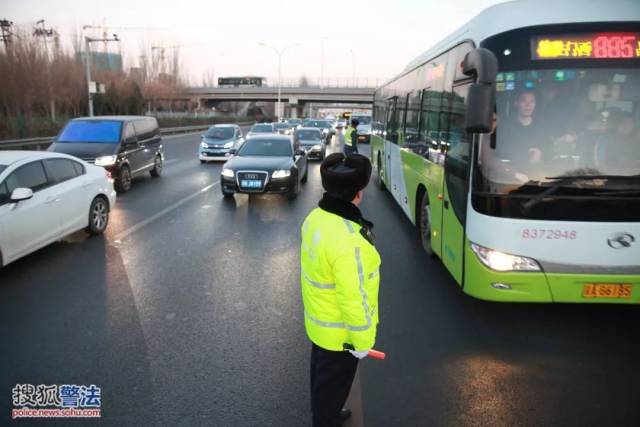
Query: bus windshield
[(563, 135)]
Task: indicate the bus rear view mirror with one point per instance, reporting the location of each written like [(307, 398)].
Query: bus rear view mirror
[(480, 101), (483, 65)]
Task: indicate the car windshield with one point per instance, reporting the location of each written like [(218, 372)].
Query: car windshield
[(309, 134), (568, 134), (266, 147), (262, 128), (219, 133), (98, 131), (282, 126), (317, 124), (363, 120), (294, 121), (2, 167)]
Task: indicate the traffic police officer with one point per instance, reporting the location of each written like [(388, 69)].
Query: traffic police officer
[(351, 138), (339, 280)]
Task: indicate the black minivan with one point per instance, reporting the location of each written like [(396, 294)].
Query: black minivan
[(126, 146)]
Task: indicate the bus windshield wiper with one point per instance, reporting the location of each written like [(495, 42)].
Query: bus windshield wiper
[(566, 177), (562, 180)]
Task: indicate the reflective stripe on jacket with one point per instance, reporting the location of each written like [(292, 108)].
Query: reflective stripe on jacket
[(339, 280)]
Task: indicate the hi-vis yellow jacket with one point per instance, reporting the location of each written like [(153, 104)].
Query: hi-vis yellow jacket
[(339, 279), (347, 135)]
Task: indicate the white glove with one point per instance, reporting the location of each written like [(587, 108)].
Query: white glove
[(359, 354)]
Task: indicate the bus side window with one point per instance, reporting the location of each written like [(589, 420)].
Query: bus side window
[(411, 130)]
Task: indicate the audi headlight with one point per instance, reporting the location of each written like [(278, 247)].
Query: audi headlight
[(281, 174), (228, 173), (204, 145), (106, 160), (500, 261)]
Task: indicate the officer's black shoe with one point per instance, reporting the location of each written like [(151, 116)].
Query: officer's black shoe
[(345, 414)]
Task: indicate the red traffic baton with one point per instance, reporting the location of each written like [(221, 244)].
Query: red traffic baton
[(375, 354)]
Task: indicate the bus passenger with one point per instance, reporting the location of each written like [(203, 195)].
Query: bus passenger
[(621, 148)]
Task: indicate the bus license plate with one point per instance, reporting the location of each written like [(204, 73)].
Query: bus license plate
[(251, 183), (607, 290)]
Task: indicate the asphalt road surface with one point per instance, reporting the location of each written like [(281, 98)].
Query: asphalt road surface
[(188, 312)]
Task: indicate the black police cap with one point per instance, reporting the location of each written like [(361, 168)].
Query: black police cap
[(343, 176), (355, 122)]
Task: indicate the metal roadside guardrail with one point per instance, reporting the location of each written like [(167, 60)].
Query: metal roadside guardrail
[(43, 142)]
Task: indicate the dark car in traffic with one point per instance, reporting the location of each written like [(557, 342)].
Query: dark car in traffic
[(265, 164), (323, 125), (126, 146), (312, 141)]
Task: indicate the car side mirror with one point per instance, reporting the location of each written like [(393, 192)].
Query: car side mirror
[(300, 152), (20, 194), (131, 140), (233, 151)]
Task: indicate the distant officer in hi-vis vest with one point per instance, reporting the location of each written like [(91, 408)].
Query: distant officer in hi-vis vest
[(351, 138), (339, 280)]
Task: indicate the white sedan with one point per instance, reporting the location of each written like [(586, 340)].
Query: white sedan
[(46, 196)]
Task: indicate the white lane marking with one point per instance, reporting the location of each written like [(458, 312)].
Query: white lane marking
[(168, 162), (126, 233)]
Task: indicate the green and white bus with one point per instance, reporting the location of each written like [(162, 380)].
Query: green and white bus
[(514, 147)]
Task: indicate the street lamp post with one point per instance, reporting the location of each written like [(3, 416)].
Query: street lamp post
[(353, 67), (322, 63), (279, 52)]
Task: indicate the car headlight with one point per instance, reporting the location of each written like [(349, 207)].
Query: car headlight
[(281, 174), (204, 145), (228, 173), (228, 145), (499, 261), (317, 147), (106, 160)]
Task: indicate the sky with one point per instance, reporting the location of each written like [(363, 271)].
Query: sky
[(369, 39)]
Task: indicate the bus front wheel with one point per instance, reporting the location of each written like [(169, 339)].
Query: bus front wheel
[(424, 224)]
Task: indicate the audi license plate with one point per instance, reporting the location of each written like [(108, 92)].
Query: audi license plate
[(251, 183), (607, 290)]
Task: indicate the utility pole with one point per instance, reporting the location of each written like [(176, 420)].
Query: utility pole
[(5, 27), (88, 41), (44, 33)]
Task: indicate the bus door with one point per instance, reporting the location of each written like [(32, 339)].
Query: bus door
[(456, 183), (393, 163)]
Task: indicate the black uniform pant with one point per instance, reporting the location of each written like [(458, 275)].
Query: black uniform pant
[(348, 149), (332, 373)]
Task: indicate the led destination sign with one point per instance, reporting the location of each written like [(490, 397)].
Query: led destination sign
[(586, 46)]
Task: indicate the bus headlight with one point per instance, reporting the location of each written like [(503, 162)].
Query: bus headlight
[(499, 261)]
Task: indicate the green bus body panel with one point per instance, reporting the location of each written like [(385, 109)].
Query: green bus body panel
[(453, 241), (419, 171), (538, 287)]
